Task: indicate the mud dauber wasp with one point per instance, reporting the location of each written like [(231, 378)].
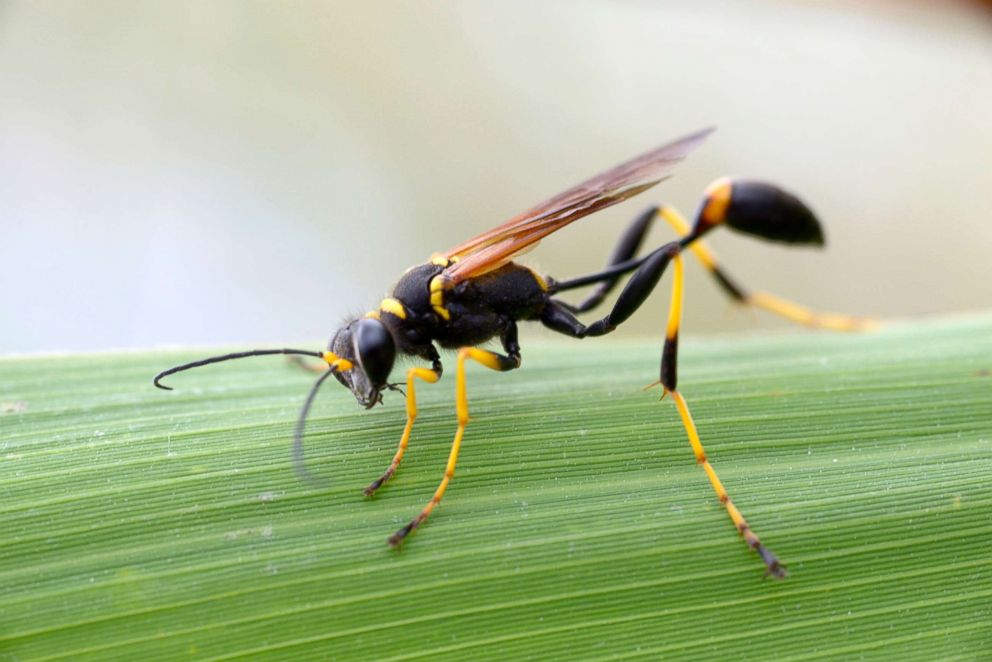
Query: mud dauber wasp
[(475, 292)]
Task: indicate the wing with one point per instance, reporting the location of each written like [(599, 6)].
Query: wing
[(492, 249)]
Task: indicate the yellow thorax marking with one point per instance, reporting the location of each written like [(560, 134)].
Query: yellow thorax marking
[(439, 260), (393, 307), (437, 298)]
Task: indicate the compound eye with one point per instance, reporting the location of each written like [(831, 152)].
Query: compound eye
[(375, 349)]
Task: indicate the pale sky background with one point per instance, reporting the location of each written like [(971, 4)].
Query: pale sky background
[(245, 173)]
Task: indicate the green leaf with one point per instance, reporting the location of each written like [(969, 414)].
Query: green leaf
[(140, 524)]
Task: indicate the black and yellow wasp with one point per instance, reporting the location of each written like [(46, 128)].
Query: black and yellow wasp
[(476, 292)]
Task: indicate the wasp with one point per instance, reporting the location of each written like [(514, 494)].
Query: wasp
[(475, 292)]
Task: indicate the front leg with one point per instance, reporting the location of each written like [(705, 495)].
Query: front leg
[(491, 360), (430, 376)]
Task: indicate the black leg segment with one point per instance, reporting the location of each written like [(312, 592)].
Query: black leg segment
[(558, 317), (626, 249), (510, 343)]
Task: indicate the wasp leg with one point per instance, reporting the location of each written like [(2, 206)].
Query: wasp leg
[(627, 247), (668, 383), (430, 376), (558, 317), (491, 360), (770, 302)]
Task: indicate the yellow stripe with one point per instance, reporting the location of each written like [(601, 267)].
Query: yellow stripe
[(440, 260), (437, 298), (393, 307), (675, 308), (802, 315)]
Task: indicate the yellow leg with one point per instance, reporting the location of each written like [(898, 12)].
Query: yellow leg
[(773, 565), (429, 376), (770, 302), (491, 360), (668, 381), (802, 315)]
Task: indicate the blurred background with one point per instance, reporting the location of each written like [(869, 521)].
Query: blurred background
[(244, 173)]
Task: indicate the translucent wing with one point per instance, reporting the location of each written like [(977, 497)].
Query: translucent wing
[(498, 246)]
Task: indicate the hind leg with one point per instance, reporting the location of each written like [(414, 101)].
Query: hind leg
[(791, 311), (668, 381), (623, 262), (640, 286)]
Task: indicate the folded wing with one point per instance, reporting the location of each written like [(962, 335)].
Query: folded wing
[(498, 246)]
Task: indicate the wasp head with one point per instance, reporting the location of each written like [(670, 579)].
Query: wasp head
[(370, 347)]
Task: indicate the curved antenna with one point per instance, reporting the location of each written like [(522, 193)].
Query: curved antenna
[(301, 424), (228, 357)]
